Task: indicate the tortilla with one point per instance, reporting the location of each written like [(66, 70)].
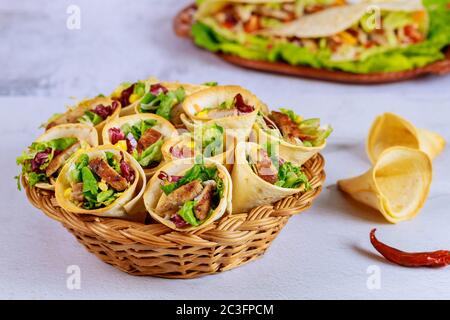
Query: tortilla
[(239, 126), (337, 19), (178, 167), (163, 126), (80, 131), (226, 158), (210, 6), (249, 190), (291, 152), (390, 130), (397, 185), (89, 104), (128, 206)]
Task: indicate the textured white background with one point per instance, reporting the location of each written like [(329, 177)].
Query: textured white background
[(323, 253)]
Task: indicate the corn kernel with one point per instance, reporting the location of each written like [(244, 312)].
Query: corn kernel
[(102, 185), (348, 38), (122, 145), (418, 16), (133, 98), (68, 193), (117, 93), (203, 114)]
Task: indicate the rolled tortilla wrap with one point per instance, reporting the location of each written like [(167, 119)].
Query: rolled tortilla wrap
[(130, 94), (210, 7), (249, 189), (335, 20), (190, 145), (207, 107), (389, 130), (128, 203), (179, 91), (161, 125), (86, 135), (266, 131), (397, 185), (95, 112), (154, 195)]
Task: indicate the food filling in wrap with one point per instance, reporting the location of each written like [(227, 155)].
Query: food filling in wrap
[(87, 112), (161, 101), (364, 38), (210, 140), (42, 161), (286, 124), (190, 199), (228, 108), (96, 182), (128, 93), (142, 140), (270, 167), (250, 17)]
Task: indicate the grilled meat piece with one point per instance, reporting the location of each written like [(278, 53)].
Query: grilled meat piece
[(265, 168), (77, 192), (204, 200), (282, 15), (61, 158), (71, 116), (111, 177), (288, 128), (147, 139), (179, 196), (175, 115)]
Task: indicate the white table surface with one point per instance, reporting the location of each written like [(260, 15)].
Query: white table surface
[(322, 253)]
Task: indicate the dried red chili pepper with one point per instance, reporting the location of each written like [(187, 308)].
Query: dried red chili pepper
[(434, 259)]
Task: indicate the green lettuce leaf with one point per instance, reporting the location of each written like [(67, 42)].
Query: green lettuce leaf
[(90, 184), (149, 155), (198, 171), (34, 178), (187, 213), (162, 104), (291, 176)]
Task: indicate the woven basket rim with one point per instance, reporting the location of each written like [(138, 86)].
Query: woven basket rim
[(159, 235), (182, 25)]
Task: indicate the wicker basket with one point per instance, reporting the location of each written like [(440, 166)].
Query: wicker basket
[(155, 250), (182, 26)]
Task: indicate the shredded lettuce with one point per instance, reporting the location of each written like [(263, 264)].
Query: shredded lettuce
[(27, 156), (417, 55), (35, 178), (291, 176)]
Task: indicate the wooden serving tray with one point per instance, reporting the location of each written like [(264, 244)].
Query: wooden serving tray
[(182, 27)]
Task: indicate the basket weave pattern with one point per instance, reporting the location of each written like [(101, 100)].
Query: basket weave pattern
[(156, 250)]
